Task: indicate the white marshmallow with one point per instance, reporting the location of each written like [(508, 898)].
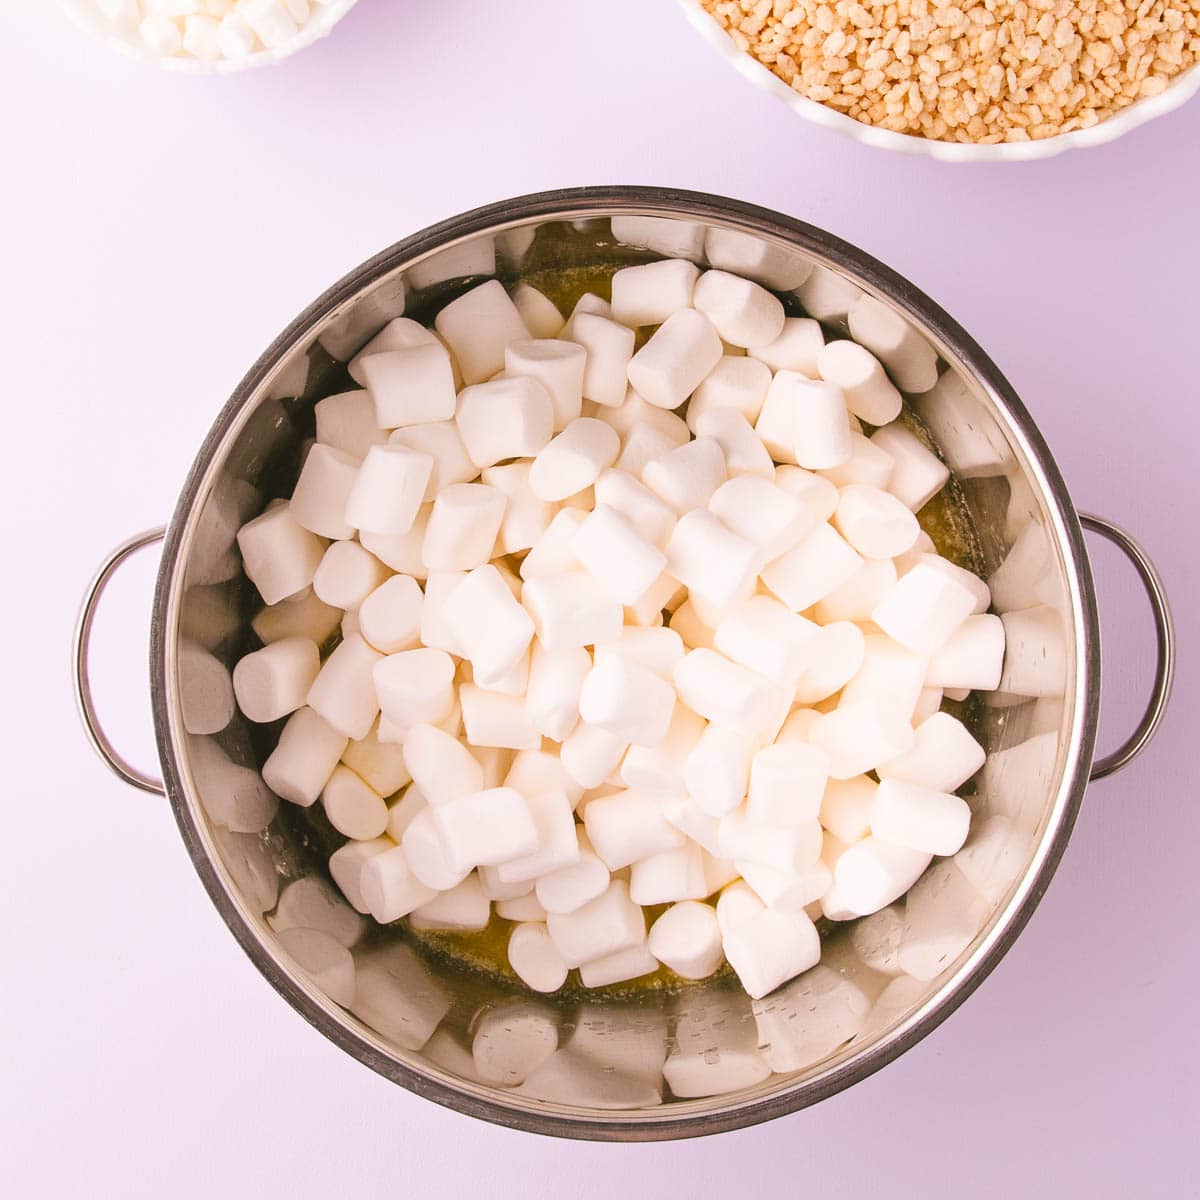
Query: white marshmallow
[(533, 955), (692, 629), (487, 828), (815, 492), (344, 691), (607, 925), (813, 568), (611, 548), (570, 887), (347, 575), (609, 347), (669, 876), (845, 809), (533, 772), (858, 737), (944, 756), (478, 326), (687, 939), (826, 295), (890, 675), (928, 703), (441, 767), (686, 476), (742, 449), (628, 826), (917, 473), (667, 236), (872, 873), (649, 294), (572, 609), (868, 463), (427, 855), (379, 763), (538, 311), (858, 597), (767, 948), (403, 812), (874, 522), (401, 551), (628, 964), (787, 848), (353, 806), (411, 386), (389, 489), (763, 635), (304, 614), (552, 553), (628, 700), (924, 609), (710, 559), (691, 820), (868, 391), (305, 756), (737, 383), (642, 445), (920, 818), (415, 686), (346, 865), (439, 440), (390, 617), (389, 888), (797, 725), (462, 527), (969, 580), (672, 364), (557, 846), (401, 333), (434, 631), (837, 655), (787, 781), (504, 418), (574, 459), (804, 421), (768, 516), (552, 696), (728, 694), (347, 423), (660, 768), (744, 313), (492, 628), (975, 657), (783, 890), (590, 754), (651, 516), (318, 501), (716, 771), (463, 909), (658, 649), (589, 302), (558, 366), (496, 719), (911, 360), (636, 413), (797, 348), (274, 681), (778, 267)]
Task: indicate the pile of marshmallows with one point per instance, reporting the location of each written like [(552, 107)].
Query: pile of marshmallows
[(505, 514), (212, 29)]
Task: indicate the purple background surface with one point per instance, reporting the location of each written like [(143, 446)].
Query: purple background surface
[(159, 230)]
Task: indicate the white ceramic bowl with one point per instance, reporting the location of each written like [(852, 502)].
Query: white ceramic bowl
[(1181, 88), (86, 15)]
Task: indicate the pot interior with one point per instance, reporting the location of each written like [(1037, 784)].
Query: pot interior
[(639, 1062)]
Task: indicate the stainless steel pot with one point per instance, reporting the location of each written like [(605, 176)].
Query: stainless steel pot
[(706, 1058)]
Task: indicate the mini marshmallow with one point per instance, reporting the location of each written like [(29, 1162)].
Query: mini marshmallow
[(401, 551), (651, 516), (403, 812), (687, 476), (813, 568), (804, 421), (305, 756), (570, 887), (872, 873), (767, 948), (628, 826), (558, 366), (975, 655), (736, 383), (344, 692), (920, 818), (533, 955), (621, 967), (874, 522), (389, 888), (552, 697), (826, 295), (552, 553), (434, 631), (858, 737), (380, 764), (858, 597), (628, 700), (658, 649), (496, 719), (651, 293), (590, 754), (786, 891), (411, 386), (611, 548), (346, 865), (890, 675), (917, 473), (504, 418), (414, 686), (347, 423), (318, 501), (401, 333), (968, 579), (797, 348), (763, 635), (557, 846), (692, 629), (660, 768), (911, 360), (728, 694), (868, 463), (439, 440), (572, 609), (463, 909), (538, 311), (673, 363), (846, 808), (353, 806), (788, 848), (607, 925), (389, 489), (478, 326), (924, 609), (574, 459), (609, 347), (427, 855), (668, 877), (462, 527), (716, 772), (487, 828), (710, 559), (274, 681), (744, 313), (768, 516), (741, 447), (687, 939), (589, 302), (787, 781), (641, 446), (302, 615), (440, 765), (493, 889), (347, 575), (638, 413), (815, 492), (837, 654), (491, 627), (868, 391), (390, 617)]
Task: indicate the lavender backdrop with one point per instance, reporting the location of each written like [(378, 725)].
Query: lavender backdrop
[(159, 230)]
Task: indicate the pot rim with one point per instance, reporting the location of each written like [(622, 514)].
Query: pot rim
[(691, 1118)]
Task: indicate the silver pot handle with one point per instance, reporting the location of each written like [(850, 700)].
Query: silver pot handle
[(80, 647), (1164, 632)]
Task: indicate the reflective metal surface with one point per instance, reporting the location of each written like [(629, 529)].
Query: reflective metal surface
[(704, 1057)]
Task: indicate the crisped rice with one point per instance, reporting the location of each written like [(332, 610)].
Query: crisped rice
[(981, 71)]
